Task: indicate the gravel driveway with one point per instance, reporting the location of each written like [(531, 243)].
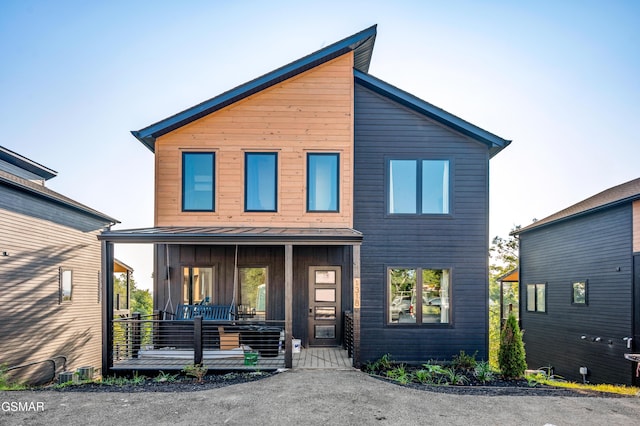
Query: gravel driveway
[(311, 397)]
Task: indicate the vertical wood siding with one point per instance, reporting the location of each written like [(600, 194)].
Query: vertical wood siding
[(33, 324), (596, 248), (458, 242), (311, 112), (222, 258)]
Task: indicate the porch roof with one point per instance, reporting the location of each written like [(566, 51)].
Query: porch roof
[(234, 235)]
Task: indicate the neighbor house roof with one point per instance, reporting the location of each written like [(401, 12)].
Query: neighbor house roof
[(26, 164), (361, 44), (40, 191), (233, 235), (495, 143), (620, 194)]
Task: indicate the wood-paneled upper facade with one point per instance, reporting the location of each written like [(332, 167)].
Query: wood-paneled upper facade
[(343, 150)]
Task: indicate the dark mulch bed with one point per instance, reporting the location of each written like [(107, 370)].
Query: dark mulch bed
[(180, 384)]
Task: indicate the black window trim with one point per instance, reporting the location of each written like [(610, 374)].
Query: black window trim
[(586, 293), (213, 182), (535, 310), (326, 154), (246, 170)]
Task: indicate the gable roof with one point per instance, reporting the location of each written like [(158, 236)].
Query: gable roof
[(40, 191), (360, 43), (26, 164), (620, 194), (495, 143)]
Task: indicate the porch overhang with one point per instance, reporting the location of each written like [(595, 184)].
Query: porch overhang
[(234, 235)]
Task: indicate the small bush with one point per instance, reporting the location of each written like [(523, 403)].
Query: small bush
[(195, 370), (462, 361), (483, 372), (163, 377), (511, 356), (453, 377), (400, 374)]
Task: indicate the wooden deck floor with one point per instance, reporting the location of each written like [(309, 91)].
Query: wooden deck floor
[(318, 358)]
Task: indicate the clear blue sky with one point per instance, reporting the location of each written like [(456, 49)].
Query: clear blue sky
[(559, 78)]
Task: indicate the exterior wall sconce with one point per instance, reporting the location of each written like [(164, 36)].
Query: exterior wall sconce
[(5, 254)]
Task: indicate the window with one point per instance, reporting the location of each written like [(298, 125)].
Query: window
[(121, 291), (536, 297), (431, 286), (66, 285), (198, 181), (197, 285), (322, 182), (252, 299), (260, 176), (579, 293), (418, 187)]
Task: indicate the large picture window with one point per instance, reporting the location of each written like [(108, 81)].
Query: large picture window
[(418, 186), (261, 181), (322, 182), (419, 296), (198, 181), (197, 285), (536, 297)]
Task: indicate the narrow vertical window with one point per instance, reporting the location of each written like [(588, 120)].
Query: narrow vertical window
[(198, 181), (197, 285), (403, 186), (435, 187), (253, 292), (261, 181), (579, 293), (322, 182), (402, 289), (66, 284)]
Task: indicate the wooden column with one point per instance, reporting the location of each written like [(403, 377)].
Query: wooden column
[(356, 305), (107, 307), (288, 305)]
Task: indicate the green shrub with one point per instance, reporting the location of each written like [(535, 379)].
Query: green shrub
[(462, 361), (511, 356), (483, 372), (400, 374), (195, 370)]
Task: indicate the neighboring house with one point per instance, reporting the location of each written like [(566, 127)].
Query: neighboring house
[(334, 196), (580, 287), (49, 273)]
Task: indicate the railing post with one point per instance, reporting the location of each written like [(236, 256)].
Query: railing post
[(135, 335), (197, 340)]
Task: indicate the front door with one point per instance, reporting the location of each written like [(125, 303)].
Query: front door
[(325, 314)]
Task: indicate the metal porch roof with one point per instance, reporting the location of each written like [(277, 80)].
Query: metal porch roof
[(361, 43), (234, 235)]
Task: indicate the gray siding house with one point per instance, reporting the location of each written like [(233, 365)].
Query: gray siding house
[(49, 274), (580, 287)]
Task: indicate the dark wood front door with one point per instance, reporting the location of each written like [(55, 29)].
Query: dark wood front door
[(325, 314)]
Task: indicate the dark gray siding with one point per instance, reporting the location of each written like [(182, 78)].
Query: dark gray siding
[(223, 257), (596, 247), (459, 241)]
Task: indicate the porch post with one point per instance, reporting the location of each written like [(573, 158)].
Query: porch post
[(288, 305), (107, 307), (356, 305)]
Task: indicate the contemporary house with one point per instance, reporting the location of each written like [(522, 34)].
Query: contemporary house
[(50, 273), (322, 200), (580, 287)]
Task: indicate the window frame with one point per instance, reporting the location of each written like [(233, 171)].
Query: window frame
[(337, 189), (419, 204), (241, 302), (419, 320), (536, 300), (61, 290), (189, 297), (586, 292), (213, 180), (275, 182)]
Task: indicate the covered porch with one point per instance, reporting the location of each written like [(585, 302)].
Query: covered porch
[(311, 279)]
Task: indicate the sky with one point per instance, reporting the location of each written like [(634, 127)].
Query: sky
[(561, 79)]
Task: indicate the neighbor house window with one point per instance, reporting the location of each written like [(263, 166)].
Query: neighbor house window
[(66, 284), (419, 296), (252, 299), (322, 182), (261, 182), (198, 181), (579, 293), (536, 297), (197, 285), (418, 187)]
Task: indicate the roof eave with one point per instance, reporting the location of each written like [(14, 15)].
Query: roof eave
[(361, 43), (494, 142)]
